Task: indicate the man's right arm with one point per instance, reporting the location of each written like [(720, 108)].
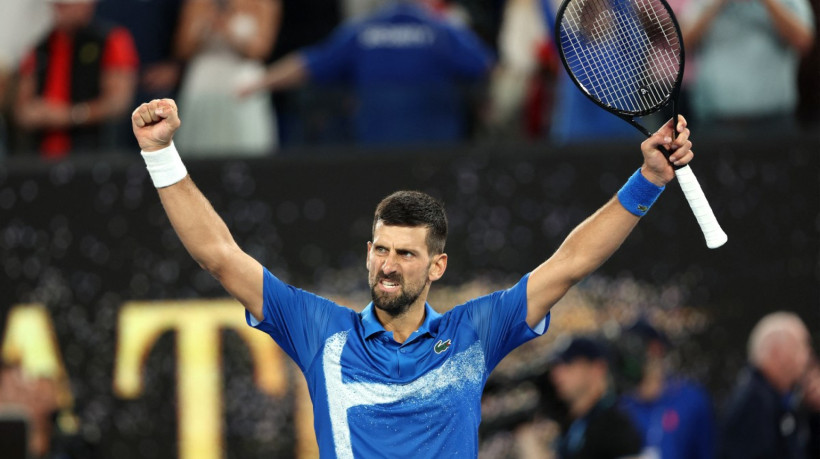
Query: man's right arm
[(202, 231)]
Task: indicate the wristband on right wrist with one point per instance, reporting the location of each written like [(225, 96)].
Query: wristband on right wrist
[(638, 194), (164, 166)]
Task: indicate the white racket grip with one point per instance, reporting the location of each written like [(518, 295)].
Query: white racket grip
[(715, 237)]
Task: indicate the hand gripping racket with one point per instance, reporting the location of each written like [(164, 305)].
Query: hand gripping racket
[(627, 56)]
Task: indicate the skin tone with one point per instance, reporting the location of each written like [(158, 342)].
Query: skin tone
[(200, 19), (580, 383), (286, 73), (654, 375), (116, 86), (400, 271), (785, 356), (811, 386), (398, 250), (37, 397)]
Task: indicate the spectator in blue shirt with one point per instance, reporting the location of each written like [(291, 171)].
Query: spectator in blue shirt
[(674, 415), (407, 68), (398, 378)]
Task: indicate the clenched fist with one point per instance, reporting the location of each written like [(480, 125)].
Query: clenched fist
[(155, 123)]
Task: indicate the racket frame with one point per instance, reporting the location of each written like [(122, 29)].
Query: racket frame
[(714, 234), (627, 115)]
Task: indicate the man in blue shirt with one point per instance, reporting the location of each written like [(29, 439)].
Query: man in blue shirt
[(406, 66), (397, 377), (674, 415)]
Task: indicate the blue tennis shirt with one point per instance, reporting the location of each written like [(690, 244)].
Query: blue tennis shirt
[(374, 397)]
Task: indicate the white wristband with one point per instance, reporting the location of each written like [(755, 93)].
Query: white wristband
[(165, 166)]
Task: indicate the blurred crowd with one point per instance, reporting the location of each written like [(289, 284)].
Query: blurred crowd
[(253, 77), (609, 380), (625, 395)]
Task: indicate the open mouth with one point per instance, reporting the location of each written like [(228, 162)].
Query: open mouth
[(389, 285)]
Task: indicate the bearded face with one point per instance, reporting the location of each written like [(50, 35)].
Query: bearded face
[(393, 294), (400, 269)]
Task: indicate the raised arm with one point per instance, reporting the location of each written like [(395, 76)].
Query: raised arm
[(202, 231), (286, 73), (599, 236)]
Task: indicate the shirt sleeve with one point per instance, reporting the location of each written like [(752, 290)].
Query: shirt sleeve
[(297, 320), (331, 60), (500, 320), (120, 52)]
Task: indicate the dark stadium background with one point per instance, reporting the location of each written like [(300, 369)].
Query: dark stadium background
[(85, 236)]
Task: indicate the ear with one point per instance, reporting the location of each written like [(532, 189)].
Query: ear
[(367, 255), (437, 267)]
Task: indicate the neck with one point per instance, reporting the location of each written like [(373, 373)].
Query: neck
[(405, 324), (584, 403), (652, 383)]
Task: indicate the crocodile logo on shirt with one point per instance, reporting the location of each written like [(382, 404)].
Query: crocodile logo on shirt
[(442, 346)]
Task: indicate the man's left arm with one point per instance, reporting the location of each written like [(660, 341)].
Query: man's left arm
[(599, 236)]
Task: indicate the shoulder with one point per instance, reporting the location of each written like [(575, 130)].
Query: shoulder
[(686, 388), (751, 396)]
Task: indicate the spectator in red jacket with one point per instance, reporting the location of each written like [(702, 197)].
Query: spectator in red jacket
[(80, 77)]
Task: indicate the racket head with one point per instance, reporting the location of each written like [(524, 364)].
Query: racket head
[(627, 56)]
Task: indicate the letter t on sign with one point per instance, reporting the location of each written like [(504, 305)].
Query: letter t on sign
[(199, 390)]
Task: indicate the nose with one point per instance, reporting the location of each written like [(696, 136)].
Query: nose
[(390, 264)]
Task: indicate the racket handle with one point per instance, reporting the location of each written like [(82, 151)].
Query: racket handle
[(715, 237)]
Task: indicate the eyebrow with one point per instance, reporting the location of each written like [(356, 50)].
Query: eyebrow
[(399, 250)]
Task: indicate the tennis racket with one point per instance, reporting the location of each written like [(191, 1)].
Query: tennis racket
[(627, 57)]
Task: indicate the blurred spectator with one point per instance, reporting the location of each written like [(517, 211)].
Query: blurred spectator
[(153, 24), (405, 65), (521, 38), (761, 417), (748, 52), (35, 400), (226, 44), (598, 427), (22, 24), (305, 23), (674, 415), (811, 405), (358, 9), (575, 118), (78, 79)]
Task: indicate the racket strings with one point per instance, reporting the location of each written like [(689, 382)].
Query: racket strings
[(625, 53)]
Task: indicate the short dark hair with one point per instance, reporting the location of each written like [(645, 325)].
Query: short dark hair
[(414, 208)]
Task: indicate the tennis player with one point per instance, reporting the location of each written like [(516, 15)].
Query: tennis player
[(397, 379)]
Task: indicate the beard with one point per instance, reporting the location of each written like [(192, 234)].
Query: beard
[(398, 305)]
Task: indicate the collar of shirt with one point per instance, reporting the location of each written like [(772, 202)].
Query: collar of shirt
[(372, 326)]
